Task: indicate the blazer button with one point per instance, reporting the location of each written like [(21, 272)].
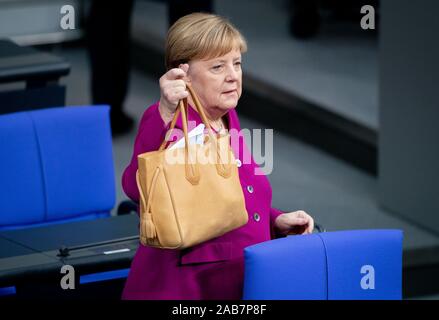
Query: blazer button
[(256, 217), (250, 189), (238, 163)]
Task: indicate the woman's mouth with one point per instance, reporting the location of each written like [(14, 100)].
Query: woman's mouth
[(230, 92)]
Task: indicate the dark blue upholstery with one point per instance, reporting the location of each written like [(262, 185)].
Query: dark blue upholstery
[(21, 179), (348, 265), (57, 166), (276, 269)]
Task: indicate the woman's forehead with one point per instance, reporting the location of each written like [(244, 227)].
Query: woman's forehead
[(231, 55)]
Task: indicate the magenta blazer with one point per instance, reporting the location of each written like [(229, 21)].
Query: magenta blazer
[(213, 269)]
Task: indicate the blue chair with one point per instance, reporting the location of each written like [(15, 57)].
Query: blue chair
[(342, 265), (57, 166)]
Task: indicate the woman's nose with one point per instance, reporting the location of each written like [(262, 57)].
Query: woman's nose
[(232, 74)]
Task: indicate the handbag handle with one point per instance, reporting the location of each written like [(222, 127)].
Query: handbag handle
[(192, 170)]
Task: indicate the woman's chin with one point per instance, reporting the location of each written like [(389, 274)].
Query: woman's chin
[(230, 104)]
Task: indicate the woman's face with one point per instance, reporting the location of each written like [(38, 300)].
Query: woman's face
[(217, 82)]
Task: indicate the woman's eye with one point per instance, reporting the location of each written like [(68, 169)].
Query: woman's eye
[(217, 67)]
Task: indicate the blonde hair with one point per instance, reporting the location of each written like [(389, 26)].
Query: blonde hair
[(201, 36)]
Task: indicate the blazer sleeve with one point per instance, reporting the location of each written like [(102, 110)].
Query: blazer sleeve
[(152, 131), (274, 213)]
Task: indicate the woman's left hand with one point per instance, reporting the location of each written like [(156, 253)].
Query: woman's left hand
[(297, 222)]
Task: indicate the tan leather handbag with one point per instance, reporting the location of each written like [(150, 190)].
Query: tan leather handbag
[(192, 194)]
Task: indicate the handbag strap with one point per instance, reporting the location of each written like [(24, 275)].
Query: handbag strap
[(182, 108), (192, 172)]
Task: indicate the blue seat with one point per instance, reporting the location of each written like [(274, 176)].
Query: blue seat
[(57, 166), (342, 265)]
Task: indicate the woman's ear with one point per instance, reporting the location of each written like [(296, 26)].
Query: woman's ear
[(185, 68)]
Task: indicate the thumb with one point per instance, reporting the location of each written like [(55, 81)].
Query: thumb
[(184, 67), (299, 221)]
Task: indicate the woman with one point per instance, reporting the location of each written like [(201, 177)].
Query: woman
[(204, 50)]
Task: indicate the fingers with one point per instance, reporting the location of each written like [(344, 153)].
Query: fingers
[(179, 93), (311, 225), (301, 218), (177, 83), (175, 73), (174, 94), (298, 221), (176, 86), (310, 220), (173, 87)]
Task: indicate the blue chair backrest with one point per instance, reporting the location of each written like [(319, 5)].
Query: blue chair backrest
[(342, 265), (56, 166)]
